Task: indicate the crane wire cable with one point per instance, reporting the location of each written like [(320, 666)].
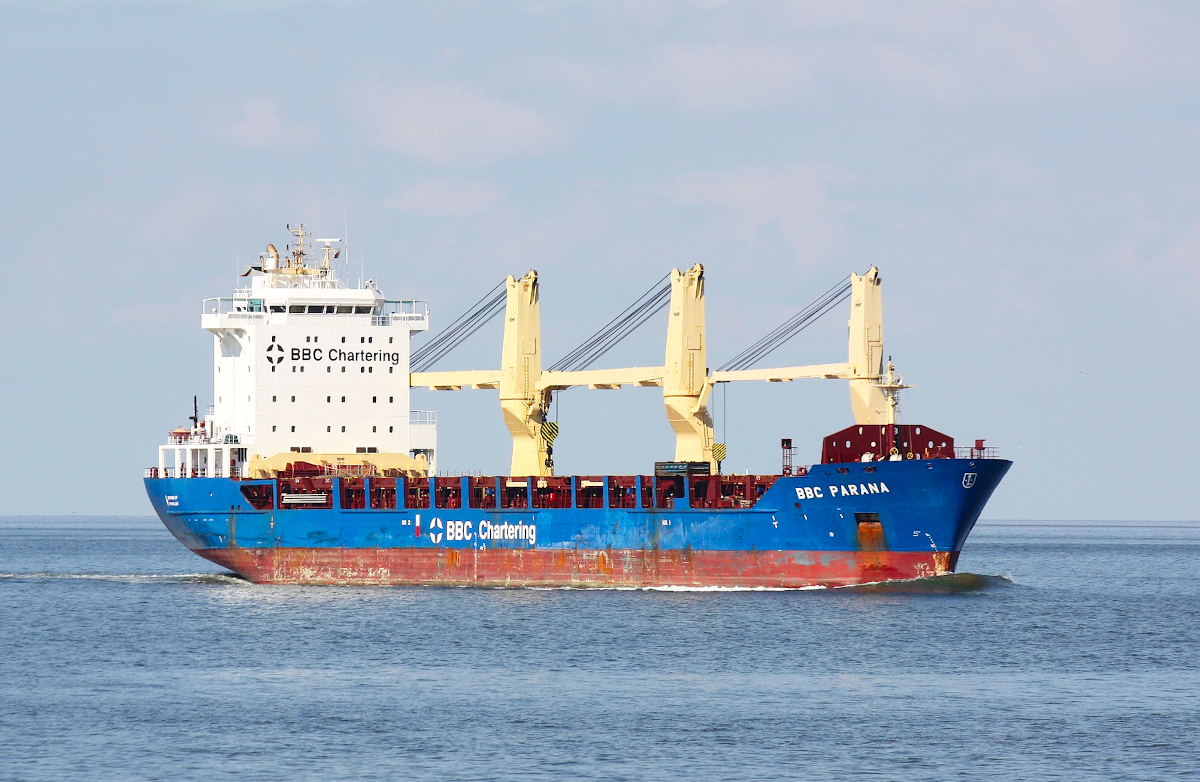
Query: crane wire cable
[(790, 328), (480, 314), (617, 329)]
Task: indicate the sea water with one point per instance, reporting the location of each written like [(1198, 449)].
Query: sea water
[(1062, 651)]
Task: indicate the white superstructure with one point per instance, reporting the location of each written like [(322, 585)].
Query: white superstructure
[(304, 363)]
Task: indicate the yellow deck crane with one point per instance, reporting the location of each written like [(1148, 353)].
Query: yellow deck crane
[(687, 384)]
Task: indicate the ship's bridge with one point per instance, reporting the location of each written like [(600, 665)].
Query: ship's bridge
[(304, 363)]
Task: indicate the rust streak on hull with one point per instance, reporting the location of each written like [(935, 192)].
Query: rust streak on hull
[(582, 568)]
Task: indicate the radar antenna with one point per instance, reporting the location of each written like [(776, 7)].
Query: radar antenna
[(325, 266), (299, 248)]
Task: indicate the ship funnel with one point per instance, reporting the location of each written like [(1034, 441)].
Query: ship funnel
[(271, 261)]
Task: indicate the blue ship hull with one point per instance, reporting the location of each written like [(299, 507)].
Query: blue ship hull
[(837, 524)]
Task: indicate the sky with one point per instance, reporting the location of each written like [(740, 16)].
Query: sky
[(1026, 176)]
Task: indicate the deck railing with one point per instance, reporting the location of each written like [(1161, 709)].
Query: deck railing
[(976, 453)]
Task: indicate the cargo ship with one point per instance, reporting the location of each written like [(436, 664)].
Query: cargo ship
[(310, 467)]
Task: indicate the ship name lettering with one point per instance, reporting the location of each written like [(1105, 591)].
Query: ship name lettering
[(459, 530), (842, 490), (859, 489), (507, 531)]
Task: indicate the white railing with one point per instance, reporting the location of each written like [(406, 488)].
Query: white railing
[(422, 418), (195, 472)]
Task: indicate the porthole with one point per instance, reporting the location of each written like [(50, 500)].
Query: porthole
[(343, 428), (293, 399), (273, 399), (328, 399), (372, 429), (374, 400), (293, 428), (390, 429), (391, 399), (329, 429), (343, 340), (273, 428), (343, 399)]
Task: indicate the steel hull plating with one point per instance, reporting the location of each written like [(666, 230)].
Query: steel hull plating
[(804, 531), (580, 568)]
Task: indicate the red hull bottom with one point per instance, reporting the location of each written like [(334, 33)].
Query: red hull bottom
[(612, 568)]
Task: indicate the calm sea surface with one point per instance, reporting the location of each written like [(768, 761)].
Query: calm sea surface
[(1064, 651)]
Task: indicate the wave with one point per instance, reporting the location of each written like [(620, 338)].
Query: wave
[(947, 584), (130, 578)]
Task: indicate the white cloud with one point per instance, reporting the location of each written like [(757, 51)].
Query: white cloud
[(262, 126), (441, 197), (451, 124), (793, 199), (706, 78), (753, 56), (1007, 171)]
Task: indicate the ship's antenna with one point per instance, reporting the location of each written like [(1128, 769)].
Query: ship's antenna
[(195, 416), (346, 245)]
